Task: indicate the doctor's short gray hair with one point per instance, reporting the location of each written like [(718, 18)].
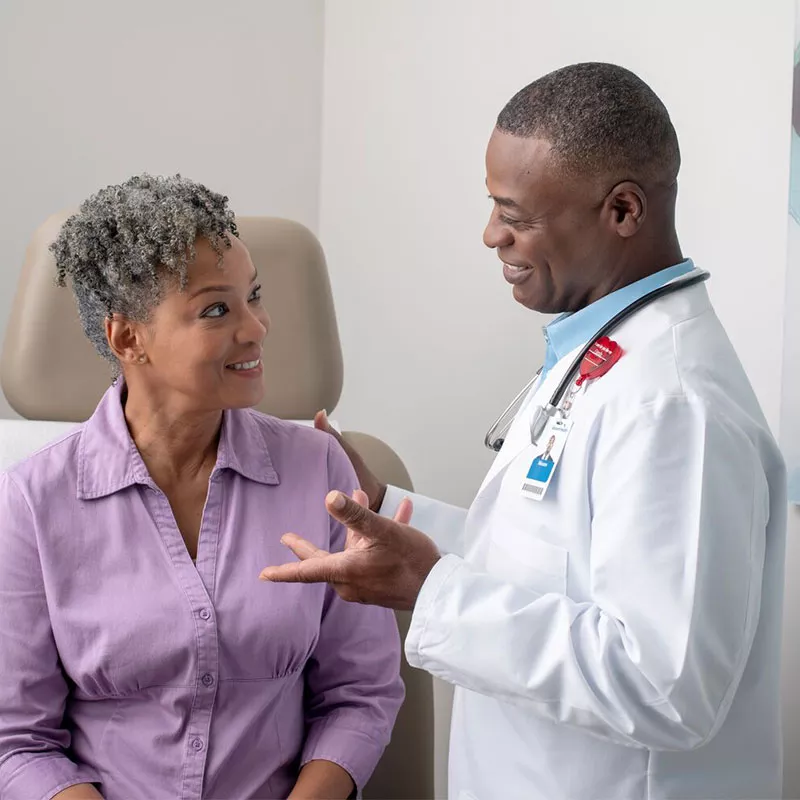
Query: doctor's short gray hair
[(601, 120), (127, 242)]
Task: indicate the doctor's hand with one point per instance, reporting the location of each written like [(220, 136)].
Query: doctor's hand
[(369, 483), (384, 563)]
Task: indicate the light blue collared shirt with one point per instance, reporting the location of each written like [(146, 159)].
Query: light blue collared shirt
[(569, 331)]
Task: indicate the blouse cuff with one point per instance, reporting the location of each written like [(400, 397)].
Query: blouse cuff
[(27, 777), (353, 751)]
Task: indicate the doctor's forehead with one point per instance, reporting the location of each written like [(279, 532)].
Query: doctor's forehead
[(521, 171)]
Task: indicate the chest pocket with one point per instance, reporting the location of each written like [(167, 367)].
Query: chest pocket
[(520, 557)]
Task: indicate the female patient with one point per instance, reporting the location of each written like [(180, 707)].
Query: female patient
[(140, 656)]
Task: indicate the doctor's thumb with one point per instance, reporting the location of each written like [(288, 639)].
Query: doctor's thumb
[(349, 512)]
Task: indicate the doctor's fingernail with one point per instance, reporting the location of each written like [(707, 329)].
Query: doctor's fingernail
[(337, 501)]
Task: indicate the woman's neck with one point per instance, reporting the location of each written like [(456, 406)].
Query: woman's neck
[(176, 444)]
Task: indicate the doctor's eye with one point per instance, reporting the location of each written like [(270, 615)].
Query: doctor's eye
[(517, 224)]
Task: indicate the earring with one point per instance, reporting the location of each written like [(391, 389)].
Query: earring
[(142, 359)]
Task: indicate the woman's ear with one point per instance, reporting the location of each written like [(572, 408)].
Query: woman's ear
[(625, 208), (125, 338)]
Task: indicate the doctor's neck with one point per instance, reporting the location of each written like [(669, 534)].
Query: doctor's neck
[(650, 251), (638, 240)]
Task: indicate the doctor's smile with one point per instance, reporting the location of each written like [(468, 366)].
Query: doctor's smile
[(515, 274)]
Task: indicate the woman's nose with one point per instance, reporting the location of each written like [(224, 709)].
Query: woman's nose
[(255, 326)]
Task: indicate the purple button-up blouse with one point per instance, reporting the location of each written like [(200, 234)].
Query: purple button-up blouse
[(124, 664)]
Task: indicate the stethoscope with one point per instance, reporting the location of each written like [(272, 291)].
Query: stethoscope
[(495, 436)]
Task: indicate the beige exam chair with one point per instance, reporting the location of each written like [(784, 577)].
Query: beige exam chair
[(52, 376)]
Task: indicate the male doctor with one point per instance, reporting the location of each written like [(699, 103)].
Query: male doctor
[(617, 637)]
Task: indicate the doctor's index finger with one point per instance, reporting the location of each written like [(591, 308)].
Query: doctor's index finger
[(313, 570), (302, 548)]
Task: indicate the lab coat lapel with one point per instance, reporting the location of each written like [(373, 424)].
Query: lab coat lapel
[(519, 435)]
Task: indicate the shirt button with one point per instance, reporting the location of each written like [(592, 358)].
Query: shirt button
[(197, 743), (208, 679), (205, 614)]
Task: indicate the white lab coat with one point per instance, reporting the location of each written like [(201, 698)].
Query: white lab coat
[(620, 638)]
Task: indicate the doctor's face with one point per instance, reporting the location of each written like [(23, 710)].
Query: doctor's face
[(550, 231)]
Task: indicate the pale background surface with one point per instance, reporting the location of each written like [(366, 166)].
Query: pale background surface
[(367, 121)]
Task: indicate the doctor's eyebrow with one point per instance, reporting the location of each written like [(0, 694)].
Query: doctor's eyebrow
[(505, 202)]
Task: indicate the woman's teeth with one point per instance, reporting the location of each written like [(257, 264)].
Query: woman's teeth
[(245, 364)]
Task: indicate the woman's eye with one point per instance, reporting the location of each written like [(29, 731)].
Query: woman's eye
[(256, 294), (215, 311)]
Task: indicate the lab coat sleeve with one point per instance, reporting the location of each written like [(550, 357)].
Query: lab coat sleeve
[(653, 659), (34, 745), (442, 522)]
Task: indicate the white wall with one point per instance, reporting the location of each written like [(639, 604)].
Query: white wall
[(94, 91), (434, 344)]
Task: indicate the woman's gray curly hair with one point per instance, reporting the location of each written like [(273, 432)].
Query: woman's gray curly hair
[(127, 242)]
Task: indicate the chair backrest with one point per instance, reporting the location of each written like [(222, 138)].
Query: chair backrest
[(52, 376)]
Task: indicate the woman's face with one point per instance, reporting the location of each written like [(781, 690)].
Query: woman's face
[(203, 344)]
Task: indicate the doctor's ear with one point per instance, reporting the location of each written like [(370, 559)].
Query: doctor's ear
[(625, 208)]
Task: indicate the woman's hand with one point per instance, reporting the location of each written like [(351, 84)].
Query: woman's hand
[(322, 780), (369, 483)]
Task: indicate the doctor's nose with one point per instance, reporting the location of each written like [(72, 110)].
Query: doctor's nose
[(496, 234)]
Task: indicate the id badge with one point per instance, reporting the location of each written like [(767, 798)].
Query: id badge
[(550, 447)]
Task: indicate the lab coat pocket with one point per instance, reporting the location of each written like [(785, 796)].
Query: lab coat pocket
[(527, 561)]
